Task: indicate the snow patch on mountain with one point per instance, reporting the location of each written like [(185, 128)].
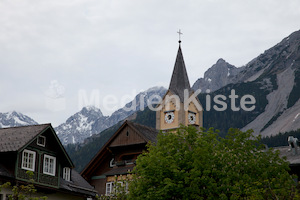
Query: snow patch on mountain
[(296, 117), (90, 120), (13, 119), (79, 126)]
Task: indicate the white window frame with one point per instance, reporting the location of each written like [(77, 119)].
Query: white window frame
[(67, 173), (39, 144), (47, 165), (26, 161), (109, 188)]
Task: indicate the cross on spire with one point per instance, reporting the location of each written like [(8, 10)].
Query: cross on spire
[(179, 33)]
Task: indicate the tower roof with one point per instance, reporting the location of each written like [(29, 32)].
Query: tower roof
[(179, 81)]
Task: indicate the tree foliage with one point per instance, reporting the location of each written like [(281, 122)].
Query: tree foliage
[(200, 165), (23, 191)]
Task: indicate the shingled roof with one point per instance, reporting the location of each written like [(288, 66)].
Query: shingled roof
[(77, 184), (148, 133), (179, 81), (287, 153), (14, 138)]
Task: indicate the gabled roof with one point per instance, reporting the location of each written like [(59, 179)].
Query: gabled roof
[(147, 133), (179, 81), (17, 138), (14, 138)]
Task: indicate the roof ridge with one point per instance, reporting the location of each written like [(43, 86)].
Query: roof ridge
[(135, 123), (26, 126)]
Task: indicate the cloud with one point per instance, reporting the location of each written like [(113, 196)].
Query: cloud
[(120, 46)]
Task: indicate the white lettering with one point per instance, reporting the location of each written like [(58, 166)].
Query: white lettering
[(251, 102), (222, 103)]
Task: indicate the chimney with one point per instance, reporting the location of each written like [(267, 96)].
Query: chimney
[(293, 143)]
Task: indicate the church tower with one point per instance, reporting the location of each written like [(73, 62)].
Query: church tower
[(180, 104)]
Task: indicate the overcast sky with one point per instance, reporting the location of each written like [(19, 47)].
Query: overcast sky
[(56, 55)]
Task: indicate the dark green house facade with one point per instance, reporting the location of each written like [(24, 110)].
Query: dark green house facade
[(37, 149)]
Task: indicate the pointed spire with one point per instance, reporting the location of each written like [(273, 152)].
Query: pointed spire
[(179, 81)]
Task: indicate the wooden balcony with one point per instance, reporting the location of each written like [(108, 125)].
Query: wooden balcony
[(39, 178)]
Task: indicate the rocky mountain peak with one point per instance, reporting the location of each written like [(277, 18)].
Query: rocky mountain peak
[(219, 75), (91, 110), (14, 118), (274, 60), (220, 61)]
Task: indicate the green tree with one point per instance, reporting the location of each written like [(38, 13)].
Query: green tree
[(200, 165)]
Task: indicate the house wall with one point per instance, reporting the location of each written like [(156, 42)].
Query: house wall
[(98, 179), (124, 147), (52, 196), (39, 176), (7, 161), (121, 151), (104, 167), (50, 149), (63, 196), (127, 136), (99, 184)]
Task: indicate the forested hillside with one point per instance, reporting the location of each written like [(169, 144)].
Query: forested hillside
[(280, 139)]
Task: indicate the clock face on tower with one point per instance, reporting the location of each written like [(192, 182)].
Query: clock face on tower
[(192, 118), (169, 117)]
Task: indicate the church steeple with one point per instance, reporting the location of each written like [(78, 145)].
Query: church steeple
[(179, 81), (173, 112)]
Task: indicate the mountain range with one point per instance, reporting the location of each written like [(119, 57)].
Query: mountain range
[(273, 78), (90, 120)]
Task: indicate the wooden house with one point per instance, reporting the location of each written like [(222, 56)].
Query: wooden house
[(37, 148), (117, 157)]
